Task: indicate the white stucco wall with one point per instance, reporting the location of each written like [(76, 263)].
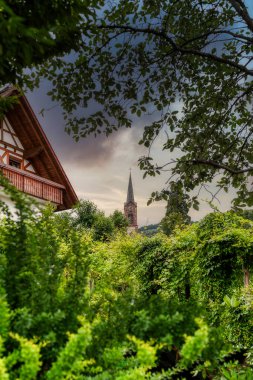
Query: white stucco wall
[(7, 200)]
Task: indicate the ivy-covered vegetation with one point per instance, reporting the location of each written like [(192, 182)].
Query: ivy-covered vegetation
[(126, 308)]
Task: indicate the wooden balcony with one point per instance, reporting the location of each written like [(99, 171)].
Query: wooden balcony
[(34, 185)]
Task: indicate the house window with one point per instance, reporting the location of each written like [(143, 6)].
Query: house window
[(15, 162)]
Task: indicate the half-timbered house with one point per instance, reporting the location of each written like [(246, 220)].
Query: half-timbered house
[(27, 158)]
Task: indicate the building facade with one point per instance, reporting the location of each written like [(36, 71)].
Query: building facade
[(27, 158), (130, 207)]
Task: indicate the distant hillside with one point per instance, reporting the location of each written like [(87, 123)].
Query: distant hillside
[(149, 230)]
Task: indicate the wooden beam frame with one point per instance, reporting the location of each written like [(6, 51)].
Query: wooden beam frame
[(33, 152)]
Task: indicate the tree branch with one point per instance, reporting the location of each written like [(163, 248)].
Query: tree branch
[(221, 166), (215, 32), (179, 48), (241, 9)]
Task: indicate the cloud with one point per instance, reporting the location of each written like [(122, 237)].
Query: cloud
[(91, 151), (94, 152)]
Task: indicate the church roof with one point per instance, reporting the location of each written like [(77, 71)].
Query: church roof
[(130, 192), (36, 145)]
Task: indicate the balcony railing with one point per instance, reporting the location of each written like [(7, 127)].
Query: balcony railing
[(34, 185)]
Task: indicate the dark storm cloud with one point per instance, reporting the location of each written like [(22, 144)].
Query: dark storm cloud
[(87, 151)]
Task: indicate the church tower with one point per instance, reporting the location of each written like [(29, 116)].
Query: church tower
[(130, 207)]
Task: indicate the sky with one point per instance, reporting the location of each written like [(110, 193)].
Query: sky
[(98, 168)]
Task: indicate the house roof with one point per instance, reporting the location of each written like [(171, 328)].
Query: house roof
[(36, 146)]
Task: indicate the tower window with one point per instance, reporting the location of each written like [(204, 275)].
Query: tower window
[(15, 162), (130, 218)]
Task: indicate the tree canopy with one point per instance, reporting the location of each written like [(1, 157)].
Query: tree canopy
[(86, 216), (176, 210), (32, 31), (185, 67)]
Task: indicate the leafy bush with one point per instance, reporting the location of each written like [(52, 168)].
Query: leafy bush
[(131, 307)]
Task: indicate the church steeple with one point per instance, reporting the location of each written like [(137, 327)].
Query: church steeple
[(130, 207), (130, 192)]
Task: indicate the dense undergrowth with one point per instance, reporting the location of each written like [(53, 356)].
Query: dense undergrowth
[(126, 308)]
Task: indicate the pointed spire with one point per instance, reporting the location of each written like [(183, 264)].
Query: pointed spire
[(130, 192)]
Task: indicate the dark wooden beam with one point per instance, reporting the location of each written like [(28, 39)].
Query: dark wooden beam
[(33, 152)]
